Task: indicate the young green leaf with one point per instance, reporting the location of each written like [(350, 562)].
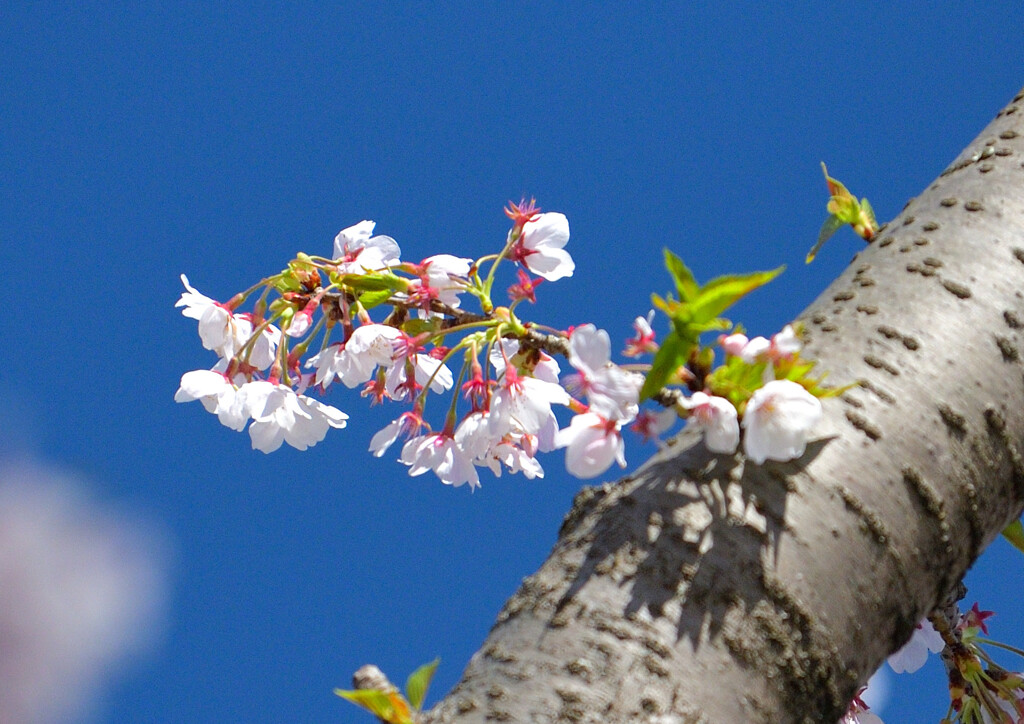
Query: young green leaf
[(1014, 533), (388, 706), (721, 293), (830, 227), (418, 682), (369, 300), (686, 284), (673, 353), (372, 282)]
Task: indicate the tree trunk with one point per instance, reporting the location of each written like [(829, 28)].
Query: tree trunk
[(703, 588)]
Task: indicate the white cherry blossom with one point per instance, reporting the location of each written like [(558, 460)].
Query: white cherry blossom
[(858, 712), (354, 363), (611, 391), (778, 420), (218, 395), (446, 276), (218, 327), (440, 453), (406, 424), (592, 443), (279, 415), (356, 249), (717, 417), (264, 349), (300, 323), (783, 345), (523, 404), (426, 369), (546, 367), (514, 458), (540, 246), (734, 344), (914, 653), (474, 436)]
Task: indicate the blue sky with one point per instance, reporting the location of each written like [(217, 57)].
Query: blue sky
[(218, 139)]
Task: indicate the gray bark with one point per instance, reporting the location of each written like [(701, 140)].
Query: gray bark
[(705, 589)]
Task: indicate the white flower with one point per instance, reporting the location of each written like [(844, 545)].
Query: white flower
[(355, 362), (858, 713), (514, 458), (591, 444), (473, 435), (300, 323), (612, 392), (440, 453), (446, 276), (717, 417), (778, 420), (643, 342), (734, 343), (217, 394), (279, 415), (357, 251), (541, 244), (523, 404), (264, 348), (914, 653), (783, 345), (218, 328), (786, 343), (754, 349), (426, 368), (650, 425), (544, 367)]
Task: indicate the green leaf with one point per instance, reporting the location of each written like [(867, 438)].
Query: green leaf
[(388, 706), (721, 293), (737, 380), (831, 226), (418, 682), (865, 206), (1014, 533), (413, 327), (686, 284), (668, 306), (673, 353), (374, 282), (369, 300)]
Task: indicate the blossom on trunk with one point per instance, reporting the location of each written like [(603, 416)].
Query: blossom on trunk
[(717, 418), (783, 345), (858, 713), (778, 420), (914, 653)]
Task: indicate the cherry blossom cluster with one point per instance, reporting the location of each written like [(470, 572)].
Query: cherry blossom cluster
[(778, 417), (981, 691), (509, 383)]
